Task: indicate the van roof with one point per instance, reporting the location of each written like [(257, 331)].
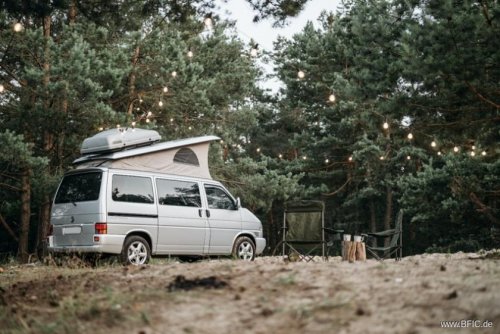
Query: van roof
[(187, 157)]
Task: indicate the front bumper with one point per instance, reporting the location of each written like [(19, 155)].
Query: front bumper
[(260, 244)]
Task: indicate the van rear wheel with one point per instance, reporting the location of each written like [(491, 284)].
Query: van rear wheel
[(244, 249), (136, 251)]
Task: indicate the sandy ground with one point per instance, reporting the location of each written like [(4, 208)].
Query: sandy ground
[(267, 296)]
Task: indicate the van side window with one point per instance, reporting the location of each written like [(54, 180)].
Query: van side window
[(186, 156), (179, 193), (219, 199), (132, 189)]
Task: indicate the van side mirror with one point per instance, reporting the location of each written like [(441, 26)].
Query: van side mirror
[(238, 203)]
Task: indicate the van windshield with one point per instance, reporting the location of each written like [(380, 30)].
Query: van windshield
[(79, 188)]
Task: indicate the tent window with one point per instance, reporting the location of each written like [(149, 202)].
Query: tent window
[(186, 156)]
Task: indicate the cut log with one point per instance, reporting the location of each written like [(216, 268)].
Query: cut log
[(360, 251)]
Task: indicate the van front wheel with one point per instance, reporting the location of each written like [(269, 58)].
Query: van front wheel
[(244, 249), (136, 251)]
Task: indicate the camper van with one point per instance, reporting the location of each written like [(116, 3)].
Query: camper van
[(136, 197)]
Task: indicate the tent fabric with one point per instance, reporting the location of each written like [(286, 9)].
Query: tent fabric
[(161, 162)]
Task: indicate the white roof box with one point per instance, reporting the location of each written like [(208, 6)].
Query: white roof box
[(118, 139)]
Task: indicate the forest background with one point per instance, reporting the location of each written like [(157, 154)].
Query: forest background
[(386, 105)]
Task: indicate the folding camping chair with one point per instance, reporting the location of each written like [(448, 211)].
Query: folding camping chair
[(304, 231), (396, 242)]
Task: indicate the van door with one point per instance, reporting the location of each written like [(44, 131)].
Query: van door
[(224, 219), (183, 227), (131, 205)]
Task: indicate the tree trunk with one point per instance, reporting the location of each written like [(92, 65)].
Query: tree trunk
[(388, 213), (373, 222), (72, 13), (131, 81), (22, 252)]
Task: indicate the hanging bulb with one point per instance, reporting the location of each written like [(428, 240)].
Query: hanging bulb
[(254, 52), (133, 124), (410, 136), (456, 149), (350, 158), (433, 144), (385, 125), (331, 98), (473, 147), (150, 113), (327, 161), (301, 74), (165, 89), (472, 153), (117, 126), (18, 27), (101, 128), (483, 153), (148, 120), (174, 74), (221, 141), (258, 150), (304, 157), (439, 153), (189, 128), (2, 88), (280, 156), (382, 158), (408, 157), (171, 120), (140, 100), (160, 104), (190, 54), (208, 21)]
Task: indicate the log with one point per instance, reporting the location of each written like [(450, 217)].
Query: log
[(360, 251)]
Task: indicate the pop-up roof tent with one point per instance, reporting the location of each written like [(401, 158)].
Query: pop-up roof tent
[(139, 149)]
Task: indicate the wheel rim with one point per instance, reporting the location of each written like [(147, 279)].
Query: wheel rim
[(137, 253), (245, 251)]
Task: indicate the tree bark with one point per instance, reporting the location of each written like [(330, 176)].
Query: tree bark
[(131, 81), (72, 13), (388, 212), (23, 252)]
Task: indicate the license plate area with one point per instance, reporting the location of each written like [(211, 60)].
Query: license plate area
[(72, 230)]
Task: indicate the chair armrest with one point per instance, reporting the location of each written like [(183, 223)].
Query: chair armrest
[(386, 233), (332, 231)]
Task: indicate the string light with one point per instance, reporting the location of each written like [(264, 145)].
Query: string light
[(190, 54), (456, 149), (301, 74), (18, 27), (258, 150), (382, 158), (221, 141), (350, 158), (408, 157), (160, 104), (189, 128), (473, 147), (149, 114), (304, 157), (439, 153), (171, 120), (133, 124), (117, 126), (174, 74), (331, 98), (280, 156), (327, 161), (165, 89), (2, 88), (385, 125), (208, 21), (101, 128), (254, 52), (433, 144), (472, 153), (483, 153), (140, 100), (148, 120), (410, 136)]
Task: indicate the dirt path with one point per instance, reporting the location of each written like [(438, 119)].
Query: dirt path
[(267, 296)]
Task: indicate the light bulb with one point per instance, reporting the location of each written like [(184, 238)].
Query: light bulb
[(117, 126), (304, 157), (160, 104), (165, 89), (101, 128), (408, 157), (140, 100), (189, 128), (258, 150), (456, 149), (382, 158), (327, 161), (148, 120), (254, 52), (473, 147), (483, 153), (190, 54), (410, 136), (433, 144), (331, 98), (385, 125), (150, 113), (301, 74), (2, 88), (18, 27), (439, 153), (472, 153), (280, 156), (171, 120), (174, 74), (221, 141), (350, 159), (208, 22), (133, 124)]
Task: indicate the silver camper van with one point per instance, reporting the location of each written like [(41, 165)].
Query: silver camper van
[(136, 197)]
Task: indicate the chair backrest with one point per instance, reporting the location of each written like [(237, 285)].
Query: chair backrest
[(304, 220), (398, 229)]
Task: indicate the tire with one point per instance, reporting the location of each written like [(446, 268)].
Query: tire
[(136, 251), (244, 249)]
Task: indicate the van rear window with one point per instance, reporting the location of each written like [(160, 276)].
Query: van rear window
[(79, 188)]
